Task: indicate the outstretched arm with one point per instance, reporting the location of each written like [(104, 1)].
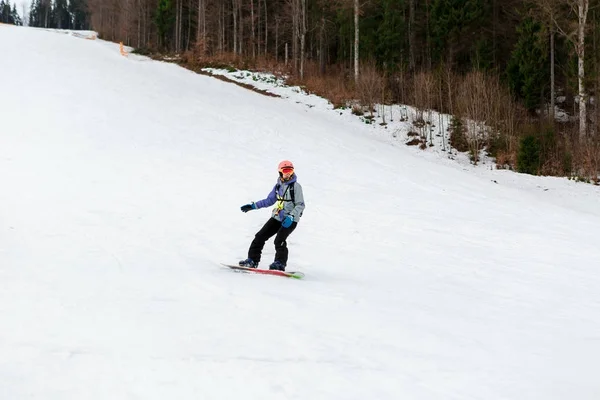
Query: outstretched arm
[(269, 201)]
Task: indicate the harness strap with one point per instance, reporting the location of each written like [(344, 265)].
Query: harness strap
[(289, 188)]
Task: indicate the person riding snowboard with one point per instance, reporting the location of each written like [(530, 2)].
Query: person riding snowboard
[(289, 205)]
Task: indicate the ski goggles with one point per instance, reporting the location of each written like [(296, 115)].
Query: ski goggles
[(286, 170)]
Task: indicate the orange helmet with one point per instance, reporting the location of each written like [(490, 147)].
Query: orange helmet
[(285, 165)]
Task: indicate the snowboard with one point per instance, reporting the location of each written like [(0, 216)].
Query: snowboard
[(291, 274)]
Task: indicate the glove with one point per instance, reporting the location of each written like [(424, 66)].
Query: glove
[(287, 222), (248, 207)]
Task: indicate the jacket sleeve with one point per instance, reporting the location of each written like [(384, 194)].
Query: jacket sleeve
[(299, 204), (269, 201)]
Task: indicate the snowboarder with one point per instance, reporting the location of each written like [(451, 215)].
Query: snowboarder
[(289, 205)]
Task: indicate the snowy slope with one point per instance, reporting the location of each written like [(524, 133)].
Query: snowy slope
[(121, 181)]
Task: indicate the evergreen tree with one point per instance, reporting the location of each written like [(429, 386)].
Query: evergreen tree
[(46, 19), (391, 33), (79, 14), (344, 20), (33, 13), (369, 25), (6, 13), (455, 25), (528, 157), (165, 18), (15, 16), (40, 14), (62, 17), (528, 68)]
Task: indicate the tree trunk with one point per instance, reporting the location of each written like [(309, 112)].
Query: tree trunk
[(322, 45), (139, 26), (177, 25), (189, 30), (411, 35), (252, 37), (240, 28), (223, 28), (46, 16), (596, 74), (303, 37), (180, 26), (258, 26), (235, 27), (266, 31), (199, 24), (204, 25), (583, 7), (295, 30), (356, 39), (552, 88)]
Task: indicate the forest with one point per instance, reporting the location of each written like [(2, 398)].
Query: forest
[(9, 14), (519, 77)]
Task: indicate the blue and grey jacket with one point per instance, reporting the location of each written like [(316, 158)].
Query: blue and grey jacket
[(282, 198)]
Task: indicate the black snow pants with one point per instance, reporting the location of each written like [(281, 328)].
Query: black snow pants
[(271, 228)]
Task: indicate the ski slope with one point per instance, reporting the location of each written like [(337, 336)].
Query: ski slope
[(121, 180)]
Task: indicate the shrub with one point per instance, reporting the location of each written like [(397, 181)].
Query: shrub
[(357, 110), (497, 144), (142, 51), (458, 137), (528, 158)]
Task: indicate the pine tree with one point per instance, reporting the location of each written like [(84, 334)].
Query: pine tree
[(46, 14), (15, 16), (454, 28), (40, 14), (165, 18), (528, 68), (79, 14), (62, 17), (33, 13), (391, 33), (5, 13)]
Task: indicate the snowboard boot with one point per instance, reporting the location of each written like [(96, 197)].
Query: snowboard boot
[(248, 263), (277, 266)]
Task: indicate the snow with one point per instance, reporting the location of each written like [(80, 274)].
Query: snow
[(426, 277)]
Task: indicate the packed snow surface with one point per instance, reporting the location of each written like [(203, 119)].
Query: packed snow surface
[(121, 183)]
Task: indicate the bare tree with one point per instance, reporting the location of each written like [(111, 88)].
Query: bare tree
[(582, 11), (234, 14), (47, 5), (369, 87), (591, 158), (552, 77), (297, 11), (240, 27), (252, 34), (302, 34), (267, 30), (355, 6), (356, 39), (25, 14), (424, 93), (574, 32), (411, 35), (294, 9), (201, 25), (180, 26)]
